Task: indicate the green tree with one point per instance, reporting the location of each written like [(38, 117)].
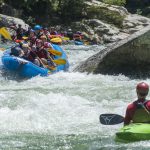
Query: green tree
[(71, 10), (115, 2)]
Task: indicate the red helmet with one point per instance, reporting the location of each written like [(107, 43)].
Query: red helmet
[(142, 87)]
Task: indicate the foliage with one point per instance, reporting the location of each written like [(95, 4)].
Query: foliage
[(139, 6), (115, 2), (106, 15), (42, 10), (139, 11), (71, 10)]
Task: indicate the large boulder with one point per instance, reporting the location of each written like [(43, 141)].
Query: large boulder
[(108, 23), (130, 57), (7, 21)]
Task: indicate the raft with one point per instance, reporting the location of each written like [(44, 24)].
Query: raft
[(27, 69), (133, 132)]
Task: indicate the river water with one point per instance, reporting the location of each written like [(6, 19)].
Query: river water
[(61, 112)]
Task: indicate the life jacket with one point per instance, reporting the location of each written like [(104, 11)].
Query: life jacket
[(32, 40), (77, 37), (30, 56), (141, 115), (41, 53), (47, 45)]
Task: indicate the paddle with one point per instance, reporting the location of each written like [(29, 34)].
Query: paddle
[(5, 33), (59, 61), (2, 49), (56, 40), (111, 119), (65, 38), (54, 52)]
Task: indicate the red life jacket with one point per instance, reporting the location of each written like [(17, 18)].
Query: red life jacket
[(42, 53)]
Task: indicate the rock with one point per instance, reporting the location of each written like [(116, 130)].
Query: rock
[(111, 24), (121, 10), (7, 21), (130, 57)]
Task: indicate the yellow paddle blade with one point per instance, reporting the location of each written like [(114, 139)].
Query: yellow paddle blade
[(2, 49), (56, 40), (60, 61), (55, 52), (50, 67), (24, 37), (5, 33), (86, 43), (66, 38)]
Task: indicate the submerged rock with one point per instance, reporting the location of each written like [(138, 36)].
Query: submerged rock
[(130, 57)]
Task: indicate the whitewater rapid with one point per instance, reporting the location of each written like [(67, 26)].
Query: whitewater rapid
[(62, 111)]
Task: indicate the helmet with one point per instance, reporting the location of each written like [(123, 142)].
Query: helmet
[(37, 27), (142, 87), (78, 32), (69, 29), (16, 51)]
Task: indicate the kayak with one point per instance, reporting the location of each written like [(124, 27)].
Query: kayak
[(78, 43), (27, 69), (133, 132)]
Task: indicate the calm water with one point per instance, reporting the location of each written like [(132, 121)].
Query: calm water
[(61, 112)]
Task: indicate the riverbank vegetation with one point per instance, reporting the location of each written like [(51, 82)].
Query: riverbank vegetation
[(66, 11)]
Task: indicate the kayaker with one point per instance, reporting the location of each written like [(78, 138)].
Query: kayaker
[(38, 30), (139, 110)]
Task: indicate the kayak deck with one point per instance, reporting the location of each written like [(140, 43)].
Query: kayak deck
[(134, 132)]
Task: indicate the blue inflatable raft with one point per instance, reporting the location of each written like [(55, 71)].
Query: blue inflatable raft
[(27, 69)]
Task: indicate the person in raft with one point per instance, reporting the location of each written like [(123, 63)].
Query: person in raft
[(139, 110)]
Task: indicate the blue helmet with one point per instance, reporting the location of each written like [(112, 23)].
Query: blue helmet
[(31, 30), (37, 27)]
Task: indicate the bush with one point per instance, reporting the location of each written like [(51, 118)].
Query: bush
[(103, 13), (115, 2)]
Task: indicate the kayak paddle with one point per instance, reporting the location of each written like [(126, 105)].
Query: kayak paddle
[(111, 119)]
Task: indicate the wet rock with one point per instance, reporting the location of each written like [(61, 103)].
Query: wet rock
[(130, 57), (8, 21)]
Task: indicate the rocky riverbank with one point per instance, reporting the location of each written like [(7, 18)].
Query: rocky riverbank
[(130, 57), (109, 23), (103, 23)]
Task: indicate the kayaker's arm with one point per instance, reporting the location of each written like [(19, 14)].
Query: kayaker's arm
[(129, 113)]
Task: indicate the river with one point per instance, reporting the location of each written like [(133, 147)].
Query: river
[(61, 111)]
